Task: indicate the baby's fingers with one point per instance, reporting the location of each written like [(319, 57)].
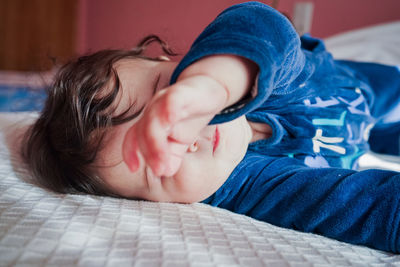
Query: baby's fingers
[(129, 151), (187, 131), (174, 160), (192, 97), (148, 138), (152, 137)]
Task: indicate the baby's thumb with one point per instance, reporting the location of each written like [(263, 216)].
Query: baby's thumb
[(172, 161)]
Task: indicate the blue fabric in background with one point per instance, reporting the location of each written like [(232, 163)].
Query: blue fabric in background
[(21, 98)]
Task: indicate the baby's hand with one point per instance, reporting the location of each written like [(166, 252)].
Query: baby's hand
[(171, 122), (173, 119)]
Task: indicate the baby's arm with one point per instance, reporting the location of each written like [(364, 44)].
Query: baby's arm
[(355, 207), (175, 116)]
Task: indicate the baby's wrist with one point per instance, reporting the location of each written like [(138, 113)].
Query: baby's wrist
[(233, 74), (214, 88)]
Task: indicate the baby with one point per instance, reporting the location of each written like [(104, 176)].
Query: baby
[(253, 119)]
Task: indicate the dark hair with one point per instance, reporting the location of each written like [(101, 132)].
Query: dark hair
[(60, 147)]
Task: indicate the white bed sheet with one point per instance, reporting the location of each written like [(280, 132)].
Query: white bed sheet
[(379, 43), (42, 228)]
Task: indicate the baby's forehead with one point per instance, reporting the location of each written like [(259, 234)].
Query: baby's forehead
[(132, 64), (127, 86), (135, 80)]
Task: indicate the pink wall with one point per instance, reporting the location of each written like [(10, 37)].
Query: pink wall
[(331, 17), (122, 23)]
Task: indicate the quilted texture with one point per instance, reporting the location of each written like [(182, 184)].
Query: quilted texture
[(41, 228)]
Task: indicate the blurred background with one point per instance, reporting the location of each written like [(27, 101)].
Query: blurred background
[(35, 35)]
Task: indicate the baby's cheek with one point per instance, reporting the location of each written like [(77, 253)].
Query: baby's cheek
[(187, 185)]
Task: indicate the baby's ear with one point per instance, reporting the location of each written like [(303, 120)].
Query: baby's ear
[(129, 151)]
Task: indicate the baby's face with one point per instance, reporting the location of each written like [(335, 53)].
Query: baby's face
[(205, 166)]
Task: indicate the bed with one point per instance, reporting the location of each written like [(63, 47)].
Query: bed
[(42, 228)]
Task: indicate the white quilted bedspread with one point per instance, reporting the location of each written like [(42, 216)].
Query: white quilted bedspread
[(38, 227)]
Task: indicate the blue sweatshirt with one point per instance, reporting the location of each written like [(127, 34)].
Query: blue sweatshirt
[(321, 112)]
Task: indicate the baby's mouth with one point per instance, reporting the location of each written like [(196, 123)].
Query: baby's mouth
[(215, 140)]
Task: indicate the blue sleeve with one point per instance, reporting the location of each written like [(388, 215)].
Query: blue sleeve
[(259, 33), (355, 207)]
